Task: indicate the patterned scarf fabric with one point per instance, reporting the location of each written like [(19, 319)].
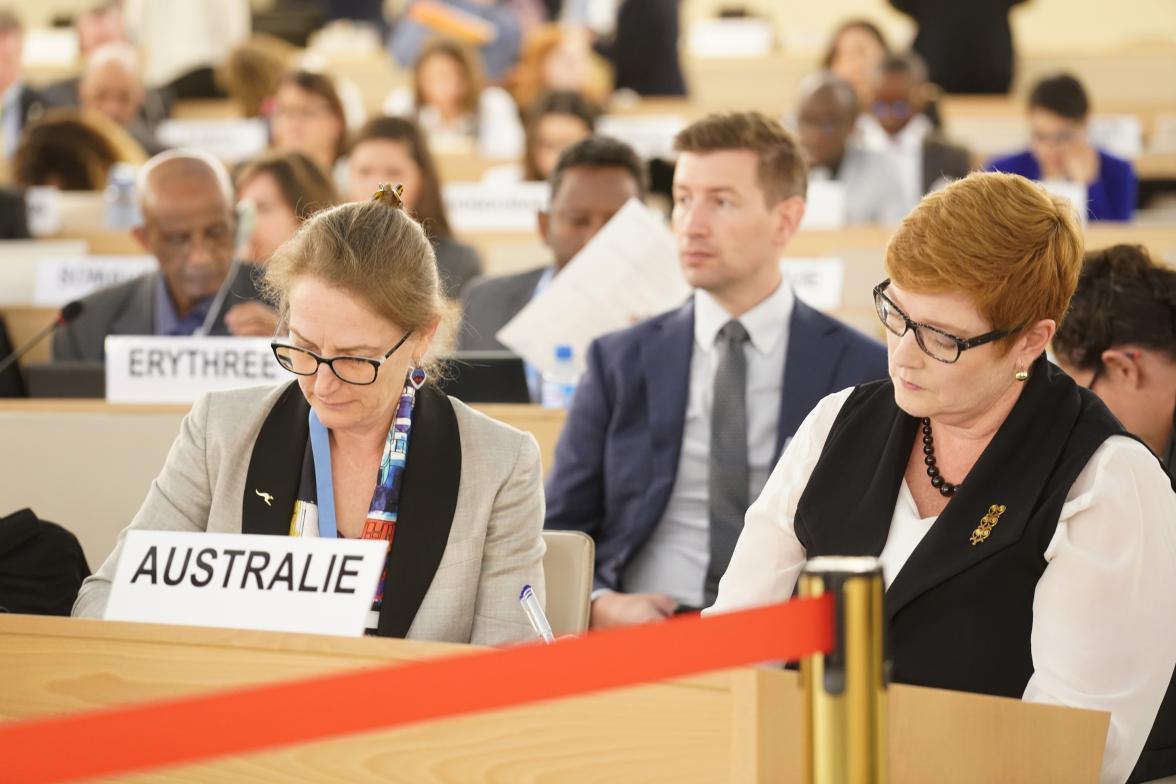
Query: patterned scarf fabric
[(381, 516)]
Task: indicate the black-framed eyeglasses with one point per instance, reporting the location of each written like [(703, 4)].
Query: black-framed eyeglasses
[(934, 342), (360, 371)]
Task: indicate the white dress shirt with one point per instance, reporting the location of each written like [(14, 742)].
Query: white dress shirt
[(1103, 636), (904, 148), (674, 559)]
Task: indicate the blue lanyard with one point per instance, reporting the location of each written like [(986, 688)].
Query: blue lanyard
[(320, 447)]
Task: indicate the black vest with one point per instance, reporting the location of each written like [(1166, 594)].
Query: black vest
[(959, 615)]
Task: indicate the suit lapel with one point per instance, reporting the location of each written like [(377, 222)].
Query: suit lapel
[(275, 466), (665, 364), (138, 315), (1012, 472), (428, 500), (814, 350)]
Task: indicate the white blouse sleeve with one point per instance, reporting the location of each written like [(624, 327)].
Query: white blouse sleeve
[(1103, 631), (500, 131), (768, 557)]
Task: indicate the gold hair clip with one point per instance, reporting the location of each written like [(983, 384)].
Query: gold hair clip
[(390, 195)]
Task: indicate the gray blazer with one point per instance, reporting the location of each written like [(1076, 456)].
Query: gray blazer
[(457, 265), (469, 528), (129, 309), (872, 187), (489, 304)]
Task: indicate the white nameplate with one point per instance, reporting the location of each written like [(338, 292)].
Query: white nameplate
[(60, 280), (152, 369), (43, 203), (231, 140), (266, 583), (476, 206), (819, 282), (748, 37), (651, 136), (824, 206)]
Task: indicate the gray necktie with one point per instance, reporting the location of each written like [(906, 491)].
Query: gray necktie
[(728, 473)]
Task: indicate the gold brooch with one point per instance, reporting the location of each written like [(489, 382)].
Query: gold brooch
[(987, 523)]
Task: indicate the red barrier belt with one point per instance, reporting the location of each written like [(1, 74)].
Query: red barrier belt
[(240, 721)]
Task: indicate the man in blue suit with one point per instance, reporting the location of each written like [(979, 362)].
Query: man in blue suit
[(678, 420)]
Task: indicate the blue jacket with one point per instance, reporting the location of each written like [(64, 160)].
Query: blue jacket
[(1109, 198), (617, 456)]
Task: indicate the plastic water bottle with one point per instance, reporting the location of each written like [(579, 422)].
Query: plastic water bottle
[(122, 210), (559, 383)]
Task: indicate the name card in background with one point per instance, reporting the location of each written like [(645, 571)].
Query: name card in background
[(819, 282), (824, 206), (476, 206), (246, 581), (651, 136), (746, 37), (231, 140), (61, 280), (43, 206), (627, 272), (154, 369)]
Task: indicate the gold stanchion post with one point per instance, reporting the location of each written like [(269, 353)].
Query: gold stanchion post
[(845, 691)]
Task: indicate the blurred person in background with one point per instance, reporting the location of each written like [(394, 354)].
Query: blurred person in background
[(110, 85), (19, 103), (1119, 341), (72, 151), (285, 188), (251, 72), (451, 103), (825, 121), (644, 48), (553, 122), (898, 127), (183, 43), (393, 150), (307, 116), (968, 47), (855, 53), (559, 58), (1060, 149)]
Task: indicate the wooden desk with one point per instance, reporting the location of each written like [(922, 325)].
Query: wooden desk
[(88, 464), (738, 726)]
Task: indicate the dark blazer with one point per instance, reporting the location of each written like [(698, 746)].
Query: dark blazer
[(32, 105), (457, 265), (617, 457), (129, 309), (489, 304), (14, 216), (943, 160)]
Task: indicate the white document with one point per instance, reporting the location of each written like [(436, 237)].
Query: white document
[(626, 273), (247, 581), (819, 282), (158, 369), (824, 206), (650, 135), (478, 206), (229, 139), (66, 278)]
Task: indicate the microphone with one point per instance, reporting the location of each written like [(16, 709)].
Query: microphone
[(67, 314)]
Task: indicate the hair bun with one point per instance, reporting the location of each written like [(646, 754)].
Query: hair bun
[(390, 195)]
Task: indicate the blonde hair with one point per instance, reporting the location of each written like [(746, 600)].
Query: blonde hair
[(1005, 242), (374, 251)]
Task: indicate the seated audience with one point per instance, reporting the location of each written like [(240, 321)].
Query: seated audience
[(855, 53), (555, 121), (1060, 149), (186, 200), (454, 108), (358, 291), (826, 117), (1119, 341), (19, 103), (678, 420), (899, 127), (72, 151), (592, 181), (285, 188), (559, 58), (1005, 503), (394, 150), (110, 85), (307, 116)]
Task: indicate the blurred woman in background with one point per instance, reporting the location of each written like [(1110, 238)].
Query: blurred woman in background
[(307, 116), (72, 151), (285, 188), (855, 52)]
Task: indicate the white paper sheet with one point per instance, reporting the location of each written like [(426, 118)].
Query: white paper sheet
[(628, 272)]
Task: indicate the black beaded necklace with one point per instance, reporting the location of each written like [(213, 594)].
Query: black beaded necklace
[(944, 487)]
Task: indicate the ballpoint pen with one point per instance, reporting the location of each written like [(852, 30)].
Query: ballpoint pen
[(535, 614)]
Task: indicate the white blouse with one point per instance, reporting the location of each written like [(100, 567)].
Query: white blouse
[(1104, 636)]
